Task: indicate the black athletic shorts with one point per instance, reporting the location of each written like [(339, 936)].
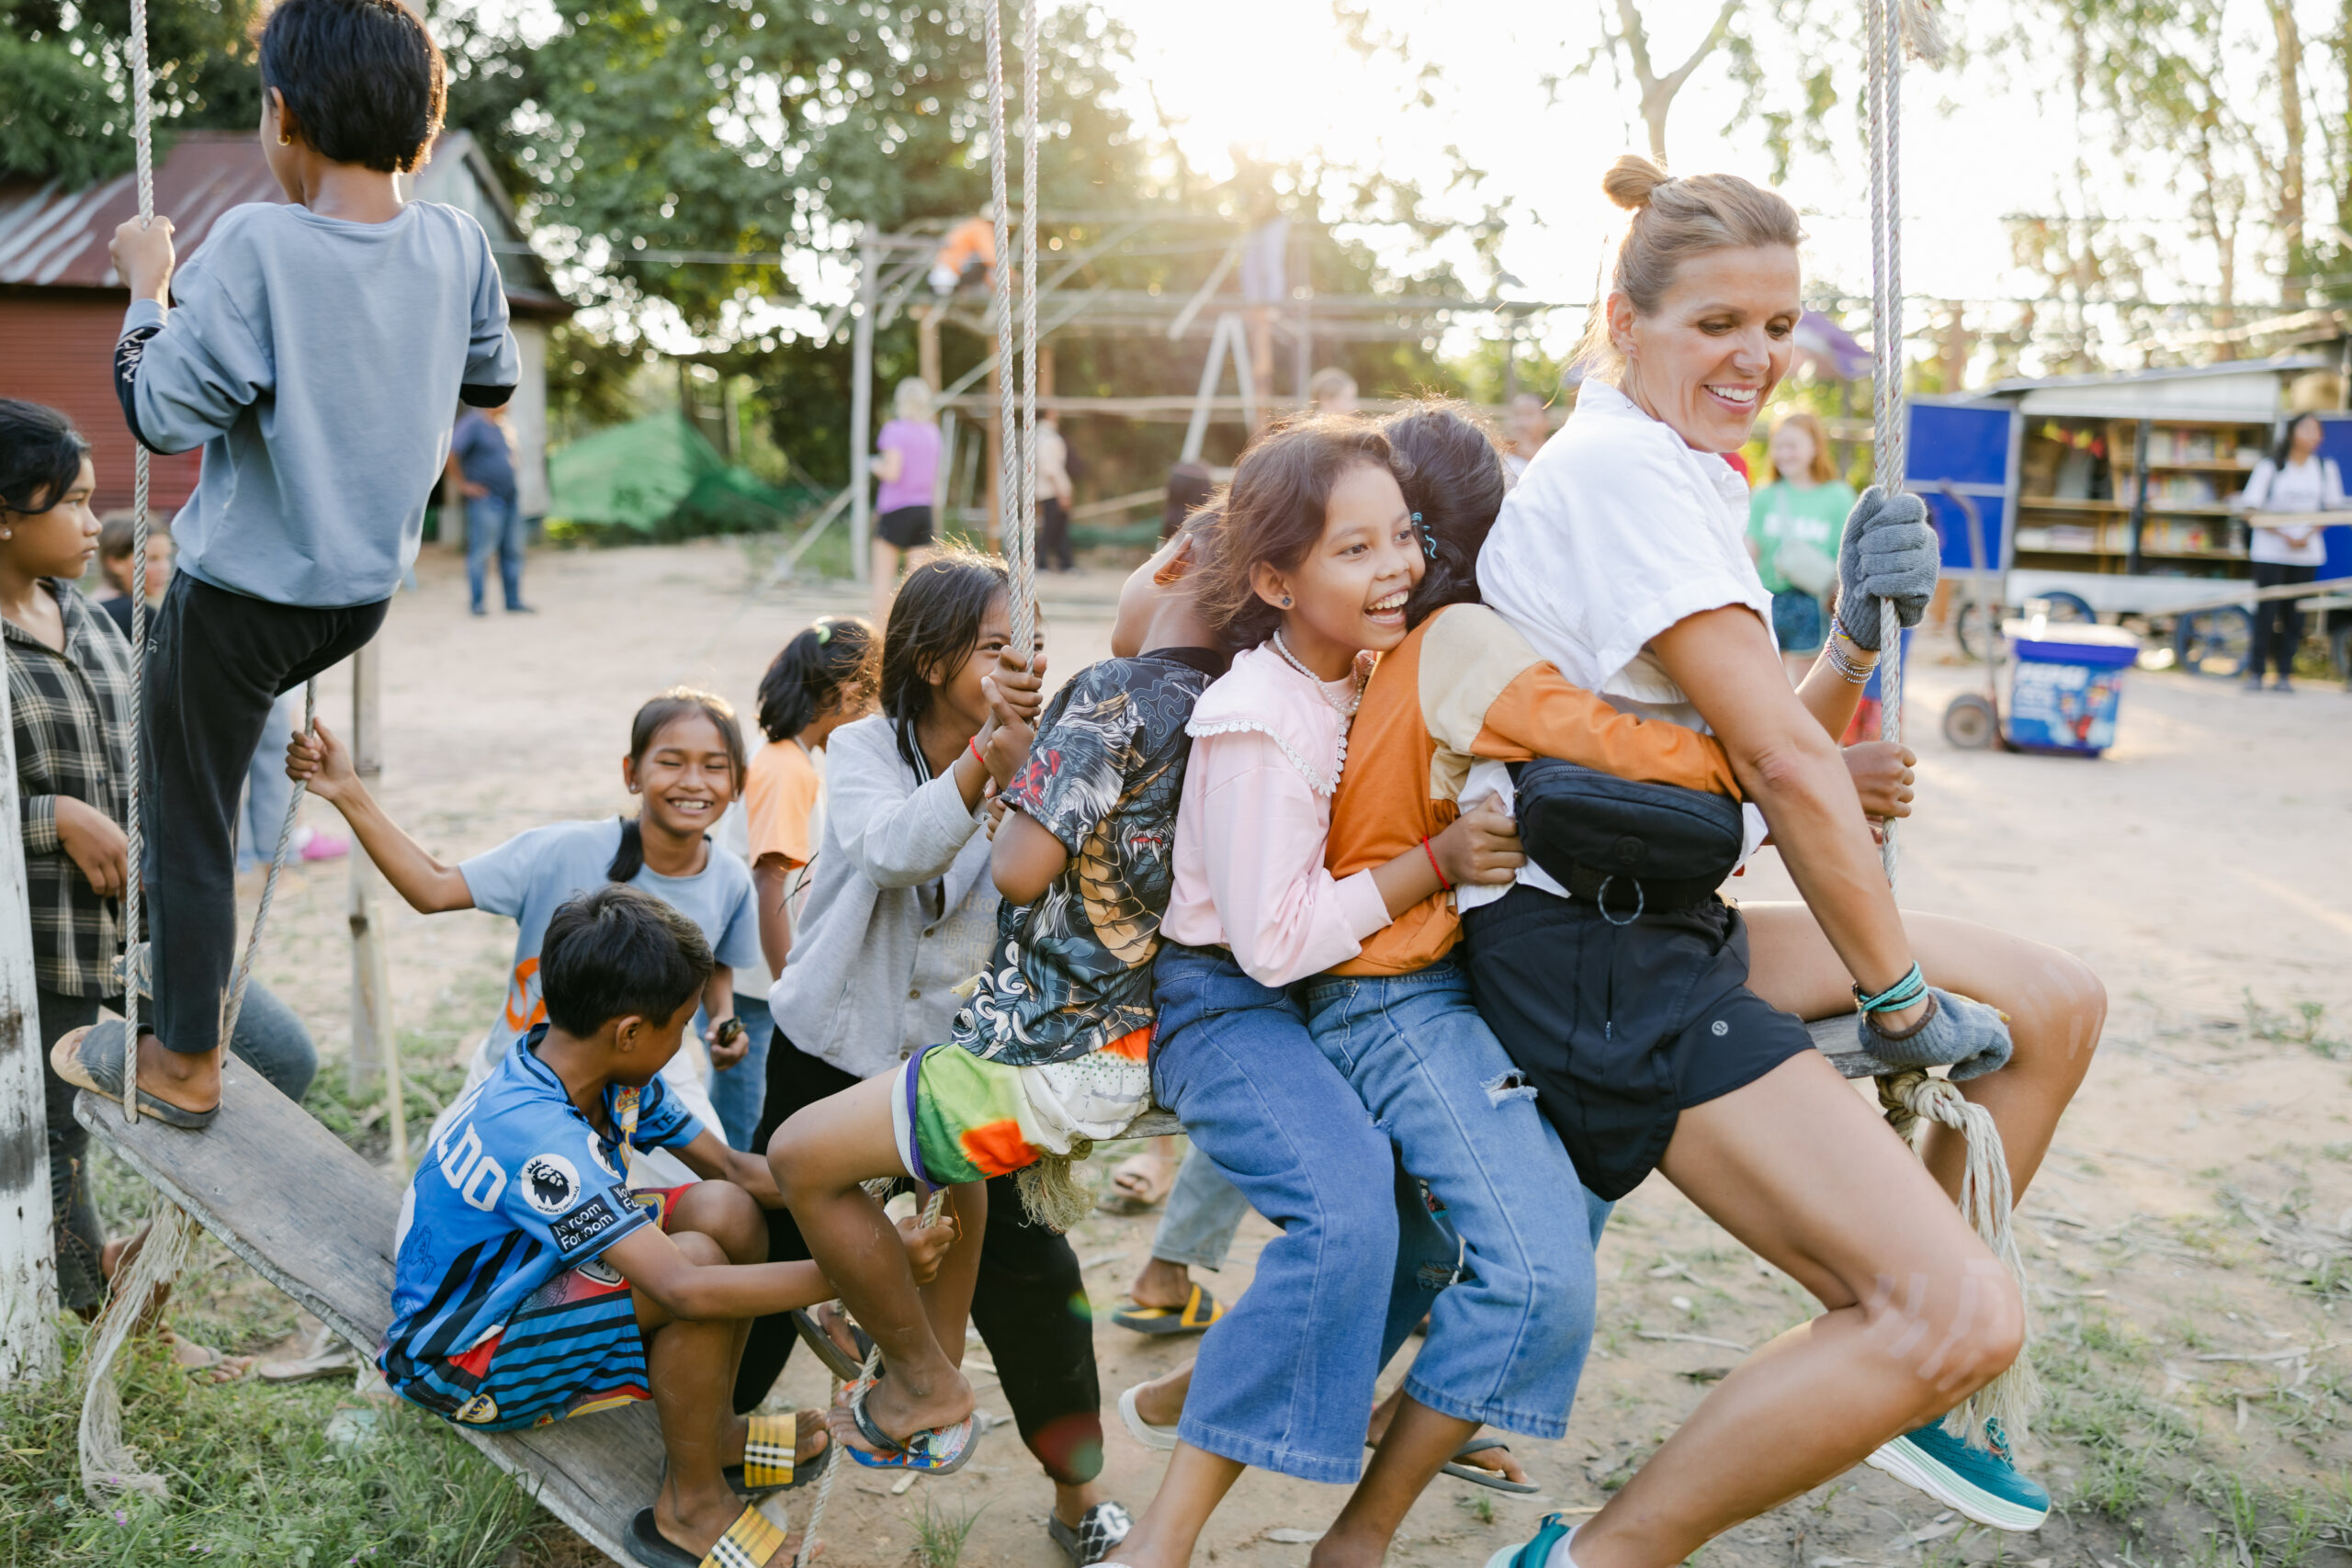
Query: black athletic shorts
[(1619, 1027), (909, 527)]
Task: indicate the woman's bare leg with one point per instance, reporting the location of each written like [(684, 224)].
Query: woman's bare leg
[(2056, 1008), (1919, 1313), (885, 578)]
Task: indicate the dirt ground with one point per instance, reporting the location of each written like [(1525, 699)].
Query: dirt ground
[(2188, 1238)]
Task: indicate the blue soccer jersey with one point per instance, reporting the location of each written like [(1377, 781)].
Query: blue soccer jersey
[(520, 1190)]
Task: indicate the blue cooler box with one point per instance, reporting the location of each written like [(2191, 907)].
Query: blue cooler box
[(2065, 683)]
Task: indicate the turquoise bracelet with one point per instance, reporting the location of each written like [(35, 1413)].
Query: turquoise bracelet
[(1903, 993)]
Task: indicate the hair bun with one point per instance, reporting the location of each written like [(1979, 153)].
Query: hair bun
[(1630, 181)]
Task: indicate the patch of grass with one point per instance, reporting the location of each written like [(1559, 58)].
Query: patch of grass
[(254, 1480), (2302, 1027), (940, 1535), (2125, 1434), (1478, 1506)]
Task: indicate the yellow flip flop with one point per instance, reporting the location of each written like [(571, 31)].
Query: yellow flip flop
[(1200, 1310)]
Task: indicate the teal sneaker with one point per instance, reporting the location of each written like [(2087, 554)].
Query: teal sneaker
[(1537, 1553), (1978, 1484)]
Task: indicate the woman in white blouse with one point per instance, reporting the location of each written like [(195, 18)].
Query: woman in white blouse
[(2295, 478), (1619, 555)]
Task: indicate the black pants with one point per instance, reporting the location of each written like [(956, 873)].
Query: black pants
[(216, 660), (269, 1039), (2278, 625), (1053, 536), (1029, 1304)]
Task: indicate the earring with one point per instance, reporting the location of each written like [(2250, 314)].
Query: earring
[(1285, 601)]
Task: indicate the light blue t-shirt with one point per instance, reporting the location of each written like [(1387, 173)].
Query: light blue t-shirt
[(319, 364), (531, 874)]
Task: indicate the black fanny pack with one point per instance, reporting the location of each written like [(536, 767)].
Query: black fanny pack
[(1627, 847)]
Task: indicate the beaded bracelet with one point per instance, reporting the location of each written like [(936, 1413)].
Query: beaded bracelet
[(1856, 669), (1903, 993)]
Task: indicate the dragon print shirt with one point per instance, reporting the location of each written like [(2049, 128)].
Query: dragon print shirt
[(1071, 972)]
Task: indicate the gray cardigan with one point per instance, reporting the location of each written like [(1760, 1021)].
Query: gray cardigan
[(871, 972)]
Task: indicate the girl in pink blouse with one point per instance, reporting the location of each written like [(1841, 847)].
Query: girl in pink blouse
[(1312, 563)]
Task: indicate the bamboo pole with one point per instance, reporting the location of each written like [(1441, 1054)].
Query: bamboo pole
[(375, 1044)]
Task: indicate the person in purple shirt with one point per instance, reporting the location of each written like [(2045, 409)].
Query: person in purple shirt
[(906, 462)]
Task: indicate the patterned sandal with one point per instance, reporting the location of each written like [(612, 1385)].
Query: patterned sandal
[(751, 1541), (936, 1451), (768, 1458)]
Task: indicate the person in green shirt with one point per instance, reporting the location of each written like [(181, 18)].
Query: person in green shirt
[(1793, 524)]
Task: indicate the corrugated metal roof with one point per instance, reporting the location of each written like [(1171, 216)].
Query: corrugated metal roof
[(56, 238)]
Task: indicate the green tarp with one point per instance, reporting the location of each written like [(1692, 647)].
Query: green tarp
[(661, 474)]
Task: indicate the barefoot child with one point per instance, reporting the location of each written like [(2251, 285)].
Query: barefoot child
[(822, 680), (684, 755), (314, 351), (531, 1286)]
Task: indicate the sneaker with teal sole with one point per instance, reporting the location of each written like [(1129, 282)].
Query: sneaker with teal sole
[(1982, 1484), (1537, 1553)]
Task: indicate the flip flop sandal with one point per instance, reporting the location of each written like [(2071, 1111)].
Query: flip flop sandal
[(1536, 1552), (1199, 1311), (1478, 1475), (935, 1451), (751, 1541), (768, 1459), (1096, 1535), (91, 1058), (821, 1345), (1160, 1438)]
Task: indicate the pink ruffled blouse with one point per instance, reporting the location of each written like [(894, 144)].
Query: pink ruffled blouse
[(1251, 824)]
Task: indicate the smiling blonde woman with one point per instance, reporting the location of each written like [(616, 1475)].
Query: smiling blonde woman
[(1620, 555)]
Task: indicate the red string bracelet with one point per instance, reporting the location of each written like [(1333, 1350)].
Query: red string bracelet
[(974, 743), (1441, 882)]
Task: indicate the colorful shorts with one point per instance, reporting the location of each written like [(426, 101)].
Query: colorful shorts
[(572, 1348), (959, 1117)]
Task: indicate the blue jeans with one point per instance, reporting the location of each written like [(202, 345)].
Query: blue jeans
[(267, 789), (740, 1093), (493, 525), (1507, 1340), (1284, 1380)]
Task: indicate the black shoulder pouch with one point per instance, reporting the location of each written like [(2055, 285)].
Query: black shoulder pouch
[(1589, 828)]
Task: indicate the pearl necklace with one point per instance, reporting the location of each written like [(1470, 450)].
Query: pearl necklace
[(1344, 706)]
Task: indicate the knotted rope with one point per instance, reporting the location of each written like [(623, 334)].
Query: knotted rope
[(1912, 1097)]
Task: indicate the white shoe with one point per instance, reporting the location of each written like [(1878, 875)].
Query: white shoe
[(1144, 1432)]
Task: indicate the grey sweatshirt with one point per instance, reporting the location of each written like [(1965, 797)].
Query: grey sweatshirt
[(319, 364)]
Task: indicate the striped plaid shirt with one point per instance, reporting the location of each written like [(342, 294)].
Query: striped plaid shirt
[(70, 712)]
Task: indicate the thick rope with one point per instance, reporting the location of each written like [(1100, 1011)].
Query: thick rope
[(1021, 561), (1022, 548), (1912, 1097), (865, 1375), (134, 894)]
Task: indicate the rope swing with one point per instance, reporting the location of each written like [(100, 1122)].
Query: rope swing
[(1911, 1097)]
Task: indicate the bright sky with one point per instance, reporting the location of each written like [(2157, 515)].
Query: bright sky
[(1977, 146)]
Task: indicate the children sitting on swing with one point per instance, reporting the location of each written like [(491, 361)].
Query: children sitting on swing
[(311, 496), (531, 1285)]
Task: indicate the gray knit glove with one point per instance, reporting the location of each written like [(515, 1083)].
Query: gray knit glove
[(1968, 1037), (1888, 552)]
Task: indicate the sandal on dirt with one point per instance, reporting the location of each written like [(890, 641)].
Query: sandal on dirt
[(753, 1538), (1160, 1438), (1200, 1310), (1478, 1475), (821, 1345), (768, 1458), (935, 1451), (91, 1058), (1119, 1200), (1096, 1535)]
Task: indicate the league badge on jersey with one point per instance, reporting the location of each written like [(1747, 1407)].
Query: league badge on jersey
[(478, 1410), (550, 1183)]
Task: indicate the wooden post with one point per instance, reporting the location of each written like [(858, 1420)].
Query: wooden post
[(374, 1047), (27, 1250), (861, 410)]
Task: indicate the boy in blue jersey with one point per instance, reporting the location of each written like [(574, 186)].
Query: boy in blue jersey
[(531, 1285)]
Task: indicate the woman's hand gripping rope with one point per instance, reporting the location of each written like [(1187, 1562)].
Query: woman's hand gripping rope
[(1890, 552)]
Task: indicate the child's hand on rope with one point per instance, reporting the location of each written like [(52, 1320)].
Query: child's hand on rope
[(96, 845), (1022, 684), (1004, 744), (321, 761), (1888, 551), (1482, 847), (927, 1246), (142, 255), (1883, 778)]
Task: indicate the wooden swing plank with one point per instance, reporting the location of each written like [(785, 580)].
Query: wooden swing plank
[(315, 1220)]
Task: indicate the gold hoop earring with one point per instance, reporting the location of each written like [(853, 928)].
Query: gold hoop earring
[(284, 140)]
